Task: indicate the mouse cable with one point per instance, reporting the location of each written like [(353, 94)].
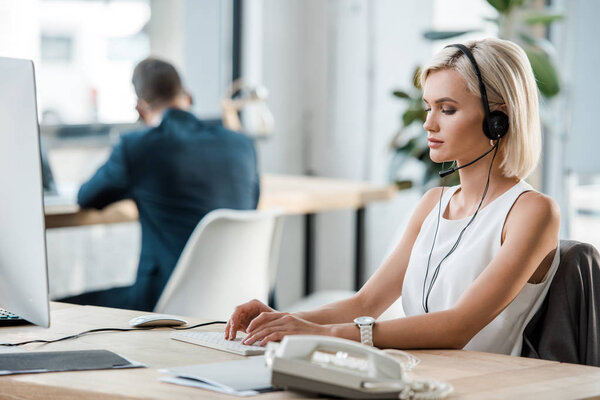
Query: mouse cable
[(108, 330)]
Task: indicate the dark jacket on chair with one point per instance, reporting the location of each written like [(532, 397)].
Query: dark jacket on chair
[(567, 326), (176, 173)]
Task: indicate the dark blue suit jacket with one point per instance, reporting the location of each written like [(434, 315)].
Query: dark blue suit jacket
[(176, 173)]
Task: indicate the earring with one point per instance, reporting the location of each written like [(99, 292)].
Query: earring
[(491, 143)]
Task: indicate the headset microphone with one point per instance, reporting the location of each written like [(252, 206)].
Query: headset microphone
[(449, 171)]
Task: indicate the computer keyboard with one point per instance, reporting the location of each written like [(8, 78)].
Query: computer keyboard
[(216, 340), (8, 318)]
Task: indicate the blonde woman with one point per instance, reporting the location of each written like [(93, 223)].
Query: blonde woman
[(476, 259)]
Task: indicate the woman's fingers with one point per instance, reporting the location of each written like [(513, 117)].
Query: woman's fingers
[(264, 318), (257, 337), (232, 328), (283, 323), (243, 315), (239, 320), (273, 337), (227, 328)]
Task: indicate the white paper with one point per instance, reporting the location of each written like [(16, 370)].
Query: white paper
[(232, 377), (204, 385)]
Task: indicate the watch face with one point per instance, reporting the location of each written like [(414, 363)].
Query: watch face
[(364, 321)]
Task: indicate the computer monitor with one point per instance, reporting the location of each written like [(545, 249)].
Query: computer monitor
[(23, 264)]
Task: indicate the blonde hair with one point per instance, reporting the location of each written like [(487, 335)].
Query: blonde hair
[(509, 82)]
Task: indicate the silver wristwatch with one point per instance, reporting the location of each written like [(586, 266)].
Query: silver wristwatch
[(365, 324)]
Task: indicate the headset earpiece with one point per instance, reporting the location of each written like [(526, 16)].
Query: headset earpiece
[(498, 123)]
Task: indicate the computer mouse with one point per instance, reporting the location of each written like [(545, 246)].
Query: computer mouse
[(156, 320)]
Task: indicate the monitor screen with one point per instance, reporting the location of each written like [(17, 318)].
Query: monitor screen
[(23, 269)]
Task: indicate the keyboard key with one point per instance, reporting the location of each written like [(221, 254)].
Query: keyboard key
[(8, 319), (7, 315)]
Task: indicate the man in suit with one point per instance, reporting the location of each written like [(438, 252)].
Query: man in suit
[(176, 171)]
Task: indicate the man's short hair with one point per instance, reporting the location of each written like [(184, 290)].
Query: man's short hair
[(156, 81)]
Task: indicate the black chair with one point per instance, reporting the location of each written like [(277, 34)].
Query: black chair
[(566, 328)]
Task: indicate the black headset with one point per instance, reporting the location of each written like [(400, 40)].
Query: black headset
[(495, 123), (495, 126)]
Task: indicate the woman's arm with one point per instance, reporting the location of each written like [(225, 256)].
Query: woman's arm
[(530, 240)]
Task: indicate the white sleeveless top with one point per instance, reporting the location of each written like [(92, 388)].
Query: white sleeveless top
[(479, 245)]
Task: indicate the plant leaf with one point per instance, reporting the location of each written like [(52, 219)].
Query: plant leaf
[(494, 20), (528, 39), (401, 94), (440, 35), (417, 78), (502, 6), (539, 44), (543, 18), (413, 114), (516, 3), (421, 150), (404, 184), (431, 178), (408, 147), (544, 71), (505, 6)]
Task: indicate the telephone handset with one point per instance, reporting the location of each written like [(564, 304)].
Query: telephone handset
[(344, 368)]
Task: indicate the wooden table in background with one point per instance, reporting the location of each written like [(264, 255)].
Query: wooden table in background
[(474, 375), (295, 195)]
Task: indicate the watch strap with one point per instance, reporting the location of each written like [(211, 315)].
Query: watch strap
[(366, 334)]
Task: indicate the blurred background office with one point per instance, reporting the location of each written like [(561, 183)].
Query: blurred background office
[(326, 72)]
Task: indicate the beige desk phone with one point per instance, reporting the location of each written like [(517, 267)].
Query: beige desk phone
[(344, 368)]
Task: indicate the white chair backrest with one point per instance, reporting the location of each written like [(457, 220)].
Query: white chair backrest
[(229, 259)]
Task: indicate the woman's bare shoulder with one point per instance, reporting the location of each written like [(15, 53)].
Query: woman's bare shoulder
[(533, 208), (536, 203)]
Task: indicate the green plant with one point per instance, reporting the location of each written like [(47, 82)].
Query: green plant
[(521, 21)]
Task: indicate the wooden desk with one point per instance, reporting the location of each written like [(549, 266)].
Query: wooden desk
[(293, 194), (474, 375)]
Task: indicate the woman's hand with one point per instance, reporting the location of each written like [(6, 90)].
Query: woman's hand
[(242, 316), (273, 326)]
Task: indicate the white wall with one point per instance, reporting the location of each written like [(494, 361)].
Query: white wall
[(208, 27), (287, 56), (578, 42), (166, 31)]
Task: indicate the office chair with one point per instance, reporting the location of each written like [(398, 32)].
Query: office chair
[(566, 328), (229, 259)]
